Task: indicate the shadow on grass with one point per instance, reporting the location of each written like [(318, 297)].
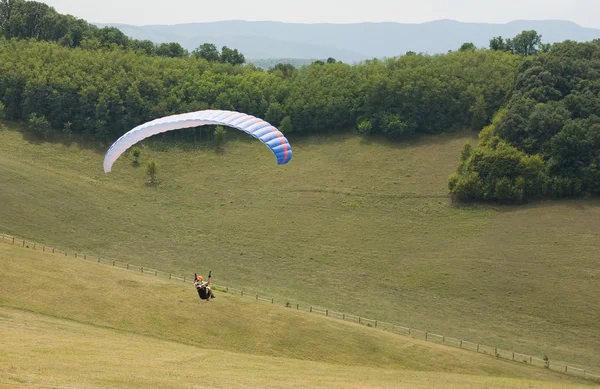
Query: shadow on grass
[(186, 140), (580, 203), (420, 139), (400, 143), (166, 142), (84, 142)]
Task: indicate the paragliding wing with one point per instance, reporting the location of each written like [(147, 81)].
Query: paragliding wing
[(256, 127)]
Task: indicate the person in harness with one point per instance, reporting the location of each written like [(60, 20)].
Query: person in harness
[(203, 288)]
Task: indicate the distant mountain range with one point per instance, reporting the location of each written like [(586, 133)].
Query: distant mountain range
[(348, 42)]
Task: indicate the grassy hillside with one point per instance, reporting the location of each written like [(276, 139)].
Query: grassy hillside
[(361, 228), (114, 327)]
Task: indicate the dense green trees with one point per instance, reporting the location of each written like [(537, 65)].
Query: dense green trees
[(432, 94), (467, 46), (209, 52), (104, 93), (546, 141), (525, 44), (32, 19)]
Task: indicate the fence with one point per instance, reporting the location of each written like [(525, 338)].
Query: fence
[(385, 326)]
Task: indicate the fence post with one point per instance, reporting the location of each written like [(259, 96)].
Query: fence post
[(297, 306), (513, 356), (343, 316), (227, 289), (85, 256), (566, 368), (425, 335), (409, 331), (443, 339), (127, 266), (272, 301), (23, 243), (242, 293), (141, 269), (530, 360), (52, 250), (75, 255), (460, 344), (169, 273), (156, 272), (113, 263), (496, 351), (13, 240), (257, 297), (44, 248), (375, 323), (359, 320), (34, 246), (310, 310), (477, 347), (98, 259), (327, 312)]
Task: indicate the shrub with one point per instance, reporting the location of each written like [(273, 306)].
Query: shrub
[(364, 127), (152, 169), (136, 152), (38, 126), (220, 135)]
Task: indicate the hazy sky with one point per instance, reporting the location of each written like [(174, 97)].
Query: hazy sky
[(139, 12)]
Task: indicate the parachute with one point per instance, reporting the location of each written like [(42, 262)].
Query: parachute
[(256, 127)]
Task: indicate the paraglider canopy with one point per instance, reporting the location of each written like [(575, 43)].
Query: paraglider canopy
[(256, 127)]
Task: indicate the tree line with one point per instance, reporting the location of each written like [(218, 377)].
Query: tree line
[(35, 20), (545, 142), (104, 93)]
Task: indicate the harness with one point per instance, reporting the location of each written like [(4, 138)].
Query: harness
[(204, 292)]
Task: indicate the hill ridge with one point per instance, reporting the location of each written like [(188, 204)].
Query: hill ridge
[(349, 42)]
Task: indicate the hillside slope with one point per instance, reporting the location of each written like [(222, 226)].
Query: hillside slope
[(115, 327), (343, 214)]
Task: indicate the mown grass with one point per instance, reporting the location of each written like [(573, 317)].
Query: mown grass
[(361, 227), (67, 322)]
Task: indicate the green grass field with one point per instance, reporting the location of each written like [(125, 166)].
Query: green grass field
[(72, 323), (363, 228)]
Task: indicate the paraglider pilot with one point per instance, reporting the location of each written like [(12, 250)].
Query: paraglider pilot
[(203, 288)]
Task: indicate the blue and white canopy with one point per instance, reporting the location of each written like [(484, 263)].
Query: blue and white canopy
[(256, 127)]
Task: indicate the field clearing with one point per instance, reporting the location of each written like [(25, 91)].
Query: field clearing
[(73, 323), (344, 214)]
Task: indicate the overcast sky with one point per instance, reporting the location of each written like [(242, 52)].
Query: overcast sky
[(140, 12)]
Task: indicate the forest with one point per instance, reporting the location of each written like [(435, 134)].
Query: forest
[(537, 105), (545, 141)]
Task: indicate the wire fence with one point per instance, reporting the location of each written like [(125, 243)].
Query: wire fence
[(593, 374)]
